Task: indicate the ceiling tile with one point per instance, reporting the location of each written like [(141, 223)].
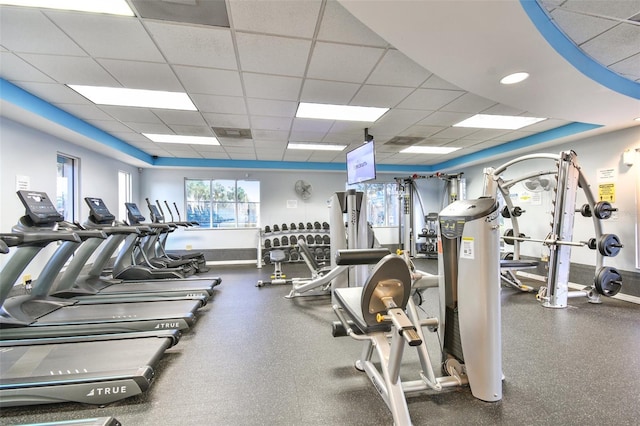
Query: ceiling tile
[(272, 108), (350, 127), (406, 117), (355, 62), (187, 118), (444, 119), (271, 123), (219, 104), (104, 36), (328, 92), (214, 155), (421, 131), (629, 67), (193, 45), (85, 112), (501, 109), (184, 152), (226, 120), (341, 26), (209, 81), (455, 132), (134, 138), (311, 125), (615, 9), (149, 127), (131, 114), (380, 96), (429, 99), (271, 86), (269, 144), (109, 125), (288, 18), (305, 136), (435, 82), (179, 129), (396, 69), (550, 123), (273, 55), (14, 68), (270, 135), (71, 69), (16, 22), (296, 155), (618, 43), (54, 93), (142, 75), (269, 155), (579, 27), (469, 103)]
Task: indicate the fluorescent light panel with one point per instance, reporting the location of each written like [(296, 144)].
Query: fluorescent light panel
[(428, 150), (183, 139), (339, 112), (135, 97), (111, 7), (506, 122), (316, 146)]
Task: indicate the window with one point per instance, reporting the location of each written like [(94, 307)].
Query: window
[(223, 203), (66, 187), (124, 193), (382, 203)]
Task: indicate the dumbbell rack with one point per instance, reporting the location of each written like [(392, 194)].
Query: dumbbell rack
[(429, 248), (276, 238)]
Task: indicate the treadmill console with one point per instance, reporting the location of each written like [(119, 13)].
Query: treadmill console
[(98, 211), (156, 216), (39, 207), (135, 217)]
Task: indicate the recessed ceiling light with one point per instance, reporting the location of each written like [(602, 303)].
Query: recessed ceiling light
[(135, 97), (316, 146), (416, 149), (183, 139), (339, 112), (507, 122), (514, 78), (112, 7)]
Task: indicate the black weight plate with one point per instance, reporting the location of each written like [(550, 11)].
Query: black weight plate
[(310, 239), (267, 229), (292, 226), (602, 210), (276, 242), (608, 281), (292, 240), (325, 226), (318, 239), (276, 228), (285, 227), (267, 243), (301, 226), (267, 259), (294, 255), (285, 241), (309, 225), (316, 225), (609, 245), (326, 239)]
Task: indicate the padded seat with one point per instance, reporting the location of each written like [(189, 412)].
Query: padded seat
[(518, 264), (276, 256), (349, 299)]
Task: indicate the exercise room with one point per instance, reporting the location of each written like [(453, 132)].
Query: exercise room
[(319, 212)]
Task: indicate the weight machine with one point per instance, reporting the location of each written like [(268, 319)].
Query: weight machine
[(569, 177), (408, 193)]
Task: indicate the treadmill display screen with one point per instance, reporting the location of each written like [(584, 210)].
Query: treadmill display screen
[(99, 211), (39, 207), (155, 213), (135, 217)]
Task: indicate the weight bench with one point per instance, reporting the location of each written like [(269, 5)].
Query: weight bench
[(322, 276), (276, 257), (383, 316), (508, 267)]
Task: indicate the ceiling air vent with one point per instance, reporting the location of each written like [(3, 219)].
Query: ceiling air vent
[(201, 12), (231, 133), (404, 140)]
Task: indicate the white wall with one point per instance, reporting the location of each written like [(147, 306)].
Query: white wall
[(28, 152), (593, 154)]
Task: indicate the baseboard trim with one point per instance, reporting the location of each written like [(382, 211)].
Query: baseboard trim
[(231, 262), (619, 296)]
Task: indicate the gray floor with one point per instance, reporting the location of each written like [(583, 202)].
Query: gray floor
[(255, 358)]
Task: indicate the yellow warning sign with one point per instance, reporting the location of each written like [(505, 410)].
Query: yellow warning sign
[(607, 192)]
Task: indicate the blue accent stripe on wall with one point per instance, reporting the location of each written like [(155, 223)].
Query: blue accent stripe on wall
[(576, 57), (525, 142), (29, 102), (25, 100)]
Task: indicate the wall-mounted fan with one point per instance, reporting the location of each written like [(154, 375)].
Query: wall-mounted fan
[(538, 184), (303, 189)]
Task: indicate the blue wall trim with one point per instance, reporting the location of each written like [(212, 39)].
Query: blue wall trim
[(29, 102), (525, 142), (25, 100), (576, 57)]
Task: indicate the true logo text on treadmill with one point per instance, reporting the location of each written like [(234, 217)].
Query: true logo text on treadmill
[(111, 390), (168, 325)]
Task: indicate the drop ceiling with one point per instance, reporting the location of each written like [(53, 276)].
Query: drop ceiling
[(246, 72)]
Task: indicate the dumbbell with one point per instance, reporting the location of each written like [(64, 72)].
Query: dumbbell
[(267, 243), (326, 239), (316, 225), (516, 212), (318, 239), (292, 226), (285, 227), (292, 240), (325, 226), (276, 228), (294, 255), (267, 229), (310, 239)]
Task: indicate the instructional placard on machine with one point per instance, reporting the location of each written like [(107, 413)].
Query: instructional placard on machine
[(467, 249)]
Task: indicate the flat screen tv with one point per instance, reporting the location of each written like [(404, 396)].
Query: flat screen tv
[(361, 164)]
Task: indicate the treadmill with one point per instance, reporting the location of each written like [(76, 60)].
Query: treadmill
[(86, 369), (41, 315), (74, 283)]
